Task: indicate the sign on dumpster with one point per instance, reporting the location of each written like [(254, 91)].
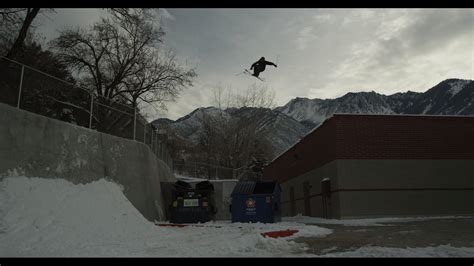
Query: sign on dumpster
[(247, 195), (250, 210)]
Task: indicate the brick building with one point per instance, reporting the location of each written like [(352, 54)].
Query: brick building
[(356, 165)]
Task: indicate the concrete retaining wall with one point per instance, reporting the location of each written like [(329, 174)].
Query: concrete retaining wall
[(36, 146)]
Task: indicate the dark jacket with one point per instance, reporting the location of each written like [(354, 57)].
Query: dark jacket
[(260, 65)]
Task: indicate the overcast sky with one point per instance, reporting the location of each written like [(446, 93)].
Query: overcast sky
[(320, 53)]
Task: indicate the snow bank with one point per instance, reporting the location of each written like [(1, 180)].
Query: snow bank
[(366, 222), (53, 217)]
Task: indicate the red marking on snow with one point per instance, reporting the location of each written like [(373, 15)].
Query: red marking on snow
[(282, 233)]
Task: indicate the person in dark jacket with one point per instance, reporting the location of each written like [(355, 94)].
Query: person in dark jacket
[(259, 66)]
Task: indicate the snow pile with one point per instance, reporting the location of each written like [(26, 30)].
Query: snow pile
[(439, 251), (195, 179), (53, 217), (365, 222), (188, 178)]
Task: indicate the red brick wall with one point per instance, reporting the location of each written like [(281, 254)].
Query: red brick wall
[(377, 137), (316, 149), (404, 137)]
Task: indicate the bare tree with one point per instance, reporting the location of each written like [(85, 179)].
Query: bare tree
[(258, 96), (16, 22), (119, 58), (159, 80), (233, 138)]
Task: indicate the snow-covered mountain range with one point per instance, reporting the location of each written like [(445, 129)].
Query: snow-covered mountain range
[(280, 129), (287, 124), (450, 97)]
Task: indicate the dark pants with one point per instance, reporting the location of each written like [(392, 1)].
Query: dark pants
[(257, 70)]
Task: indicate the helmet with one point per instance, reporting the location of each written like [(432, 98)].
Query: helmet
[(262, 59)]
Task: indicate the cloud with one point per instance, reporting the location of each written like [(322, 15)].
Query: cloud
[(199, 95), (305, 36), (325, 18), (407, 48), (165, 14), (435, 28), (391, 26), (50, 23)]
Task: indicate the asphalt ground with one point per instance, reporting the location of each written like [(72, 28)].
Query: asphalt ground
[(455, 232)]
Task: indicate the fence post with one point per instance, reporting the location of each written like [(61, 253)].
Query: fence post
[(134, 122), (161, 151), (92, 106), (144, 132), (158, 148), (21, 84), (152, 139)]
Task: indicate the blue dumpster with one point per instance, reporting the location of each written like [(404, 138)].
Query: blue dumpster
[(256, 201)]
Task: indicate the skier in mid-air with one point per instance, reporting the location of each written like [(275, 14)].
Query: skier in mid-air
[(259, 66)]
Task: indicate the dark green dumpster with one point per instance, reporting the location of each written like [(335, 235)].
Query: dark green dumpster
[(192, 205)]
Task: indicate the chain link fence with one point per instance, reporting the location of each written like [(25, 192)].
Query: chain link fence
[(210, 171), (35, 91)]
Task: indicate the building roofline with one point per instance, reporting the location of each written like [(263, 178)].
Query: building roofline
[(414, 115), (352, 114), (306, 135)]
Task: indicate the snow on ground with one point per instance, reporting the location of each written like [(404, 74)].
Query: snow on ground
[(365, 222), (188, 178), (53, 217), (439, 251)]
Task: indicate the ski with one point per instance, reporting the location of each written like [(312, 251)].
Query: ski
[(250, 73)]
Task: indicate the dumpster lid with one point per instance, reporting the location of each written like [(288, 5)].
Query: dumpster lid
[(205, 186), (244, 187), (255, 187), (182, 185)]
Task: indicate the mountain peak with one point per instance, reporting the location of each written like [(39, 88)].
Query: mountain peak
[(436, 100)]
